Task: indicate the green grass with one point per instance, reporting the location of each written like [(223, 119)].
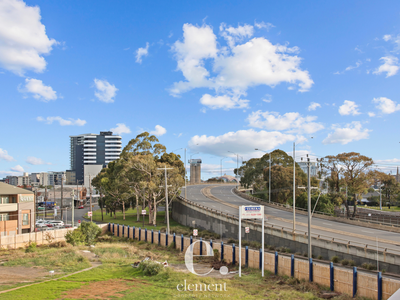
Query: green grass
[(130, 219), (384, 208)]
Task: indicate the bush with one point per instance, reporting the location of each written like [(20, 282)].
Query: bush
[(31, 247), (60, 244), (150, 268), (319, 256), (352, 263), (90, 231), (75, 237), (335, 259), (344, 262), (368, 266)]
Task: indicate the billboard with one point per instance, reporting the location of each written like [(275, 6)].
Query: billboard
[(252, 212)]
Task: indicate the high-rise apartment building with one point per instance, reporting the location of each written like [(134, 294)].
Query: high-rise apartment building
[(93, 150)]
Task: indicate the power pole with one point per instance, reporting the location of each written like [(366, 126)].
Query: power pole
[(309, 209), (269, 182), (73, 207), (166, 195), (62, 199), (294, 187), (185, 176)]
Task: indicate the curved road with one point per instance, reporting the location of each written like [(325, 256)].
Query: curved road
[(280, 218)]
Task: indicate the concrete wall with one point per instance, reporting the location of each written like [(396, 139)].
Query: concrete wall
[(185, 212)]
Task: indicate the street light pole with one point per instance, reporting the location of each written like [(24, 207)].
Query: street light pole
[(294, 187), (309, 209), (269, 182), (185, 176)]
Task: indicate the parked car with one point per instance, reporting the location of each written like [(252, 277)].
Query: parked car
[(41, 225), (80, 206), (57, 223)]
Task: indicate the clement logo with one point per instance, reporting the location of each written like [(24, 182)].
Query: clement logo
[(257, 208)]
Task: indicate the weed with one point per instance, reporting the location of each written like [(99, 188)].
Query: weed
[(344, 262), (335, 259), (320, 257), (150, 268), (352, 263)]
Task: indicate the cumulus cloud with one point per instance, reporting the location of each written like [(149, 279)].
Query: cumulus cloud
[(351, 132), (235, 68), (106, 92), (390, 66), (387, 37), (23, 39), (17, 168), (292, 122), (141, 52), (386, 105), (242, 141), (4, 155), (39, 90), (63, 122), (349, 108), (313, 106), (225, 102), (159, 131), (36, 161), (371, 114), (121, 129)]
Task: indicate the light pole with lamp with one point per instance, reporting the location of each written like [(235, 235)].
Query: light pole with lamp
[(237, 168)]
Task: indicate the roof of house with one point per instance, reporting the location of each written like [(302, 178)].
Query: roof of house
[(8, 189)]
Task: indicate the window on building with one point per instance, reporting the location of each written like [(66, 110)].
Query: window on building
[(4, 199), (4, 217), (25, 219)]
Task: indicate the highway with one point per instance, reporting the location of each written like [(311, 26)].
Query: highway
[(341, 232)]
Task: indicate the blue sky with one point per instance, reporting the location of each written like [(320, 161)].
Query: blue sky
[(211, 76)]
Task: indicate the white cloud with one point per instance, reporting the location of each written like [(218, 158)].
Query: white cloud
[(39, 90), (17, 168), (313, 106), (9, 173), (105, 91), (386, 105), (121, 129), (351, 132), (4, 155), (36, 161), (243, 142), (267, 98), (292, 122), (349, 108), (63, 122), (387, 37), (226, 102), (390, 66), (142, 52), (371, 114), (358, 64), (252, 63), (232, 35), (260, 25), (23, 38), (159, 131)]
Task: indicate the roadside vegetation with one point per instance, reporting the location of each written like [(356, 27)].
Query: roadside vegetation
[(116, 278)]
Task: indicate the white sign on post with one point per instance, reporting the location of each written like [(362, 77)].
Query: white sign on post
[(143, 212), (251, 212), (195, 232), (55, 212), (89, 214), (247, 229)]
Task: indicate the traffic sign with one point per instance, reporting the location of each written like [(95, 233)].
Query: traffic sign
[(247, 229), (143, 212), (79, 221), (89, 214), (195, 232)]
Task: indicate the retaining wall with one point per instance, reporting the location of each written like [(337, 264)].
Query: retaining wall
[(339, 279)]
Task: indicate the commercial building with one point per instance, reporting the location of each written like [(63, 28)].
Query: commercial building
[(195, 171), (89, 153), (17, 210)]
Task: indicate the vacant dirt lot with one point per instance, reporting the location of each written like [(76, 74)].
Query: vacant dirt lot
[(11, 275)]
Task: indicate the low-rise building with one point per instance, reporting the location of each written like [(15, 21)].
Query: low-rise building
[(17, 210)]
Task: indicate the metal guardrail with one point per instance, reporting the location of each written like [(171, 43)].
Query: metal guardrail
[(383, 250)]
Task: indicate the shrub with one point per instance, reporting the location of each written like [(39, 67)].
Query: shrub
[(216, 254), (352, 263), (231, 241), (75, 237), (90, 232), (319, 257), (150, 268), (344, 262), (60, 244), (368, 266), (335, 259), (31, 247)]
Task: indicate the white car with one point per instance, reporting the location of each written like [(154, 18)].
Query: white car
[(57, 223)]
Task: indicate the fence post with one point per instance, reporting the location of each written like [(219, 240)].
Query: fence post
[(145, 234), (211, 244), (292, 266), (134, 232), (166, 239), (354, 281), (159, 237), (260, 259), (182, 242), (152, 236), (201, 246), (113, 228), (140, 233), (310, 272), (379, 285), (247, 257), (233, 254), (191, 240), (123, 230), (174, 241), (222, 251), (128, 231), (118, 230), (332, 274), (276, 262), (109, 226)]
